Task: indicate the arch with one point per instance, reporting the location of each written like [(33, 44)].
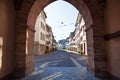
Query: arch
[(93, 13), (80, 5)]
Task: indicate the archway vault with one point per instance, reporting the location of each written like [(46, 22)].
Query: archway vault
[(93, 14)]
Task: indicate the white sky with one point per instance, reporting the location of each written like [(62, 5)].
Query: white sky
[(61, 16)]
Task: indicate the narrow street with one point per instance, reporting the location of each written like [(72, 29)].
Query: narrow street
[(59, 65)]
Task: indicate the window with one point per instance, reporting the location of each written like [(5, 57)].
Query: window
[(42, 26), (42, 36)]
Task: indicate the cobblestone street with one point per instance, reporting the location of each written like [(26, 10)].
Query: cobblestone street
[(59, 65)]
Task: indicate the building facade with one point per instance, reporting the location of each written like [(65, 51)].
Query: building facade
[(49, 39), (72, 43), (40, 34), (62, 44), (80, 35), (77, 39)]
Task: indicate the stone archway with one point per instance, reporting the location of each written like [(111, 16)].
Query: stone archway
[(93, 13)]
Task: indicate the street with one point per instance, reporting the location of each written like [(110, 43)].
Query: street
[(59, 65)]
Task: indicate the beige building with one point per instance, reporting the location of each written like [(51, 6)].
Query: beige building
[(40, 34), (80, 35), (72, 42), (49, 38)]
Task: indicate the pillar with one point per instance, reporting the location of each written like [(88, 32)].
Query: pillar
[(24, 51), (97, 58)]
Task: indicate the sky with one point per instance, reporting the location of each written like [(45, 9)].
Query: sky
[(61, 16)]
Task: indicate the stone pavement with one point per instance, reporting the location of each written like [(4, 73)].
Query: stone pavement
[(60, 65)]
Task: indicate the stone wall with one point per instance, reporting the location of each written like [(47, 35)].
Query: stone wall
[(113, 41), (7, 37)]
